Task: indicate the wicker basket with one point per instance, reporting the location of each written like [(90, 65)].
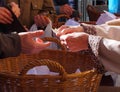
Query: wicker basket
[(57, 23), (14, 79)]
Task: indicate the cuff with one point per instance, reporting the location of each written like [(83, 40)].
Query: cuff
[(90, 29), (94, 43), (94, 46)]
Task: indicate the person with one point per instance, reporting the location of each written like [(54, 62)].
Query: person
[(30, 8), (108, 30), (68, 7), (47, 30), (15, 44), (5, 15), (107, 50), (9, 18), (40, 21)]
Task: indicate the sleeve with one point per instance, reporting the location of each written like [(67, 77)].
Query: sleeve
[(10, 45), (88, 28), (107, 51)]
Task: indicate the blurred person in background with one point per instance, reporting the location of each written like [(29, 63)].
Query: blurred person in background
[(109, 30), (6, 17), (30, 8), (68, 7)]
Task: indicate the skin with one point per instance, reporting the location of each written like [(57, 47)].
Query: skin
[(30, 45), (69, 29), (5, 15), (66, 9), (71, 36), (41, 20), (15, 8), (115, 22), (75, 41)]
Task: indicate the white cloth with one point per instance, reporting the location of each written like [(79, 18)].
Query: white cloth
[(106, 16), (47, 33), (43, 70), (112, 32)]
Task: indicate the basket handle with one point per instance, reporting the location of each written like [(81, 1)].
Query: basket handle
[(56, 41), (57, 23), (52, 65)]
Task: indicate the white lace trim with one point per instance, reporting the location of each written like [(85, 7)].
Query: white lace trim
[(94, 43)]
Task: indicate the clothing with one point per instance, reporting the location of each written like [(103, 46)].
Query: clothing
[(47, 33), (104, 30), (2, 2), (10, 45), (108, 51), (30, 8), (111, 32)]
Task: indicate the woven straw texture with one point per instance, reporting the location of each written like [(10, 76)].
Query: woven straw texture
[(13, 70)]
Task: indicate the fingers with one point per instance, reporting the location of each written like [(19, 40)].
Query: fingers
[(44, 45), (65, 30), (32, 34), (37, 33), (66, 9), (69, 29), (41, 20), (15, 8), (38, 40), (5, 16), (41, 43), (59, 33), (44, 20)]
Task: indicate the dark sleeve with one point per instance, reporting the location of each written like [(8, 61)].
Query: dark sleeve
[(10, 45)]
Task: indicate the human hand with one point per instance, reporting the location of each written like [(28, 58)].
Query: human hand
[(15, 8), (66, 9), (5, 16), (76, 41), (30, 45), (41, 20), (114, 22), (68, 29)]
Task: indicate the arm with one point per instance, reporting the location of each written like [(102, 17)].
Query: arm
[(104, 30), (24, 42), (9, 45), (108, 51)]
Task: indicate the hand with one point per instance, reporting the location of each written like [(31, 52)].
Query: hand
[(66, 9), (76, 41), (5, 16), (41, 20), (15, 9), (115, 22), (30, 45), (69, 29)]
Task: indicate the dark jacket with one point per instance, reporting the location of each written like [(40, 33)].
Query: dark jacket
[(10, 45)]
